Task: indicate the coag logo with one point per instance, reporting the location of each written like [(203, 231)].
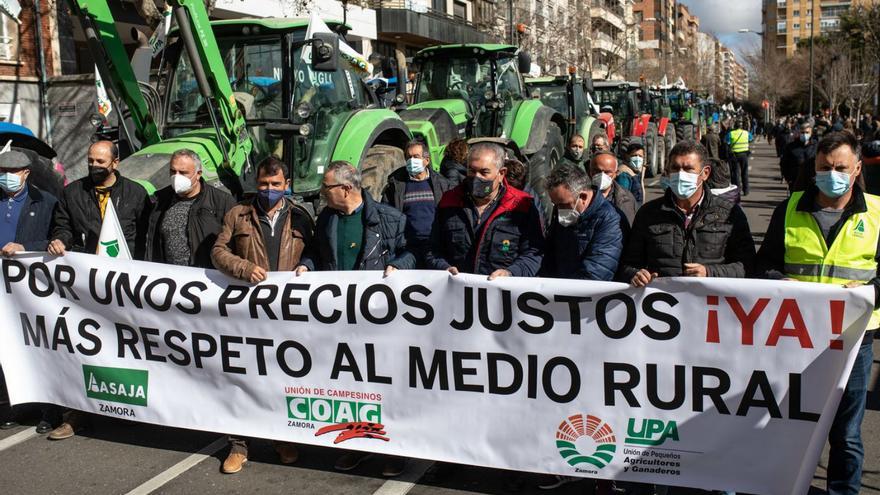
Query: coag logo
[(116, 384), (650, 432), (595, 432), (332, 411)]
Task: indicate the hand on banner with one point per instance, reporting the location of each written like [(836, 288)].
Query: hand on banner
[(301, 269), (56, 247), (258, 275), (848, 285), (695, 270), (453, 270), (388, 271), (501, 272), (642, 278), (11, 248)]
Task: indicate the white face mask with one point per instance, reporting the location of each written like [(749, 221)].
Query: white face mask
[(567, 216), (415, 166), (602, 181), (181, 184)]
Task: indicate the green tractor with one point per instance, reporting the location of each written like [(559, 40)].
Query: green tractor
[(570, 96), (471, 91), (238, 91)]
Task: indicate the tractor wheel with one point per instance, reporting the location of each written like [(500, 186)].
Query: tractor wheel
[(542, 162), (684, 131), (668, 142), (380, 161), (651, 156)]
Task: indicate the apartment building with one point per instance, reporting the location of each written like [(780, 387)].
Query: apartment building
[(787, 22)]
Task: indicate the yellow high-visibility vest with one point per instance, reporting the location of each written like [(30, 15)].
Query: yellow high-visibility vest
[(739, 141), (850, 258)]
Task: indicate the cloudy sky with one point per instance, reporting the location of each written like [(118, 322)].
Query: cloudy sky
[(724, 18)]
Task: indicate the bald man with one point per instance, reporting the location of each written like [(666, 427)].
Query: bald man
[(81, 210)]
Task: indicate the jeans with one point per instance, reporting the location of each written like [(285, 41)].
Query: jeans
[(847, 452), (739, 171)]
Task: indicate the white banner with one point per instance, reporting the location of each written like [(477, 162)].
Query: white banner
[(713, 384)]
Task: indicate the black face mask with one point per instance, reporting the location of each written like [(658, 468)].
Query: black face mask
[(479, 188), (99, 174)]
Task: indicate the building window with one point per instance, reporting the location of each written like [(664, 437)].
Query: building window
[(459, 10), (796, 13), (796, 26), (439, 5), (8, 38)]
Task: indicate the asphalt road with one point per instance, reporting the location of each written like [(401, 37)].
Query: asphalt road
[(115, 456)]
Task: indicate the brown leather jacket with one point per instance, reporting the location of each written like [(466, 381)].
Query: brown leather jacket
[(240, 245)]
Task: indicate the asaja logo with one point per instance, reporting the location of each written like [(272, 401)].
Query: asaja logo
[(116, 384), (860, 228), (112, 247), (588, 432), (651, 432)]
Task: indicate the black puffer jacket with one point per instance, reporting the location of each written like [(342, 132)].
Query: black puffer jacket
[(205, 221), (718, 237), (78, 216), (384, 240)]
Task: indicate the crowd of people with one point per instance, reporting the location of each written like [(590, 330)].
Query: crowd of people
[(474, 213)]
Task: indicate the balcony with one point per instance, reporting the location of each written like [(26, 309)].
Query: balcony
[(609, 11), (415, 23)]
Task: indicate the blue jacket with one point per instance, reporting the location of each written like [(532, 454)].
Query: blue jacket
[(384, 241), (35, 222), (589, 249), (510, 238)]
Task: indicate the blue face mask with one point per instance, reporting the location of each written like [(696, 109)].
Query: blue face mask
[(683, 184), (832, 183), (269, 197), (10, 183)]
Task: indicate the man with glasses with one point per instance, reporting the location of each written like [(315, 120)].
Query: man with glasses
[(354, 232)]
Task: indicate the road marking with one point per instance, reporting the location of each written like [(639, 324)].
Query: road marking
[(181, 467), (653, 183), (407, 480), (22, 436)]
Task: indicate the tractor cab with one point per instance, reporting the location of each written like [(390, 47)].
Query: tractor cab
[(480, 85), (570, 96), (297, 103)]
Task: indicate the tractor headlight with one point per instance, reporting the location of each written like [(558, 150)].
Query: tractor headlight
[(96, 119), (304, 110), (488, 95), (399, 99), (305, 130)]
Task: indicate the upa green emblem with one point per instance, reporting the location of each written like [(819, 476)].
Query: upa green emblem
[(860, 228), (112, 248)]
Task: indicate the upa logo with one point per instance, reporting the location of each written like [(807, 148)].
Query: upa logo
[(585, 439), (123, 385), (650, 432)]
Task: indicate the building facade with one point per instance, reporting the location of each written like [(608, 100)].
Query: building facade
[(787, 22)]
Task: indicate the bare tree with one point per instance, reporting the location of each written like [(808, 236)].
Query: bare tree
[(773, 76)]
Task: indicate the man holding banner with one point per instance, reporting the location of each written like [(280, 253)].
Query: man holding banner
[(81, 210), (829, 234), (485, 226), (79, 226), (259, 235), (688, 232)]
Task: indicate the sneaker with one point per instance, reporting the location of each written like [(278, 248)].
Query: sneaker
[(233, 463), (287, 452), (62, 432), (394, 466), (350, 460), (556, 481)]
